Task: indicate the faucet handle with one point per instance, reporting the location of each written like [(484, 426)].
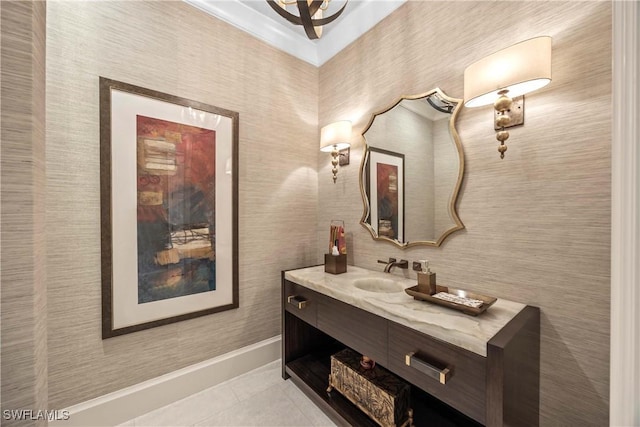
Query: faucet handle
[(416, 266), (403, 264), (386, 262)]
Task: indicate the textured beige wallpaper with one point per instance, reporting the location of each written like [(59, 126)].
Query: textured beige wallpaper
[(22, 207), (174, 48), (538, 222)]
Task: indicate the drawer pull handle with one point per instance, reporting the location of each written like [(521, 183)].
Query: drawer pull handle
[(441, 375), (297, 301)]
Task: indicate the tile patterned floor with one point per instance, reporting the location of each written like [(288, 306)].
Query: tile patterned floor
[(258, 398)]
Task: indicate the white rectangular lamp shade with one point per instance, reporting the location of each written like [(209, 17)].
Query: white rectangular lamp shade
[(336, 134), (521, 68)]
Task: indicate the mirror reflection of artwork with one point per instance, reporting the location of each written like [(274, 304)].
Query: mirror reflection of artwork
[(422, 129), (386, 189), (388, 200), (176, 209)]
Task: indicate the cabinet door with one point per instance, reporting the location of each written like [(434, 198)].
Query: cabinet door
[(301, 302), (364, 332), (452, 374)]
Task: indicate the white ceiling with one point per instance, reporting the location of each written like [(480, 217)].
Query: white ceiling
[(258, 19)]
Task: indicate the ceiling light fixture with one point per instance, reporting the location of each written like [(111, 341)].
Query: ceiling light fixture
[(310, 14)]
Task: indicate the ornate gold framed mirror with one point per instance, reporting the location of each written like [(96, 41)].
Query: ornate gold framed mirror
[(412, 170)]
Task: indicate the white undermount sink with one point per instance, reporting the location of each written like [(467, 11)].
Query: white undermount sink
[(378, 285)]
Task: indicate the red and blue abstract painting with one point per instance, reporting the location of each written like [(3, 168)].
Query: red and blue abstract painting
[(175, 209)]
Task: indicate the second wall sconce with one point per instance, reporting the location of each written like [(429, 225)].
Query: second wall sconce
[(504, 75), (333, 138)]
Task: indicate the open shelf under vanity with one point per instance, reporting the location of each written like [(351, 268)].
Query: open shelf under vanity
[(310, 373)]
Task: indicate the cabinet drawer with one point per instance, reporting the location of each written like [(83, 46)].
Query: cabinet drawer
[(364, 332), (423, 361), (301, 302)]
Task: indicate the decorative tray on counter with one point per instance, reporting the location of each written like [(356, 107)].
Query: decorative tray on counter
[(474, 311)]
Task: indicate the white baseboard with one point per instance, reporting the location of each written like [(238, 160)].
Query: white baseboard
[(122, 405)]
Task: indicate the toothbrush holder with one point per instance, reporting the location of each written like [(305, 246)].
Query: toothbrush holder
[(335, 264)]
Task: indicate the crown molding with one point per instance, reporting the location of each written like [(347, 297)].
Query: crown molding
[(281, 35)]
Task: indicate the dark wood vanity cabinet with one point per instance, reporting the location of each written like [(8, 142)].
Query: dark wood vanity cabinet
[(500, 389), (465, 389), (366, 333), (301, 301)]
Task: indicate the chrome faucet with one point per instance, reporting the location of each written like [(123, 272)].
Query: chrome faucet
[(403, 263)]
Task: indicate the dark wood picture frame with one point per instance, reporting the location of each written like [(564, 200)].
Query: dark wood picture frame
[(109, 160)]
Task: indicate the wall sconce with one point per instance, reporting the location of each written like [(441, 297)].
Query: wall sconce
[(504, 75), (333, 138)]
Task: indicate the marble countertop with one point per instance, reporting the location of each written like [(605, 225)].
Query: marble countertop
[(469, 332)]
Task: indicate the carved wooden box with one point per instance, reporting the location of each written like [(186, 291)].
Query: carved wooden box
[(377, 392)]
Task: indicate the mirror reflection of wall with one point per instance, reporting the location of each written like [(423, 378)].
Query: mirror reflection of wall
[(420, 130)]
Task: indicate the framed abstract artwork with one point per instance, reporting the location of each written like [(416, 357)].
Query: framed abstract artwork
[(169, 208), (385, 176)]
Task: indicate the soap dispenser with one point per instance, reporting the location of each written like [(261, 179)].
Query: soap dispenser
[(426, 279)]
